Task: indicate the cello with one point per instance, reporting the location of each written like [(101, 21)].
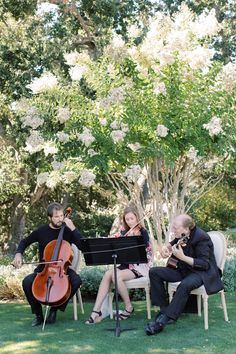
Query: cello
[(52, 286)]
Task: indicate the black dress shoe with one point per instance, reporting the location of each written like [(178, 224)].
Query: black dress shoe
[(52, 316), (158, 325), (37, 321), (153, 328)]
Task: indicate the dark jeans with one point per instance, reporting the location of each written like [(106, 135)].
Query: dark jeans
[(158, 277), (36, 306)]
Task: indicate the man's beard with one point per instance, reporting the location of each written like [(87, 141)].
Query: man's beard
[(56, 226)]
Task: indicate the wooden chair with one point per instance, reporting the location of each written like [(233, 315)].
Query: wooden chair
[(220, 247), (139, 283), (75, 266)]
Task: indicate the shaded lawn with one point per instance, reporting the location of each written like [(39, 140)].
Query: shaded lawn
[(69, 336)]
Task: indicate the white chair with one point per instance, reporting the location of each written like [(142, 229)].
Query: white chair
[(219, 242), (75, 266), (139, 283)]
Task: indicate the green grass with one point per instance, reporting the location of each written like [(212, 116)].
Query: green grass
[(69, 336)]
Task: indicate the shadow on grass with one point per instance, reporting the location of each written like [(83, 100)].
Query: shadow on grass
[(69, 336)]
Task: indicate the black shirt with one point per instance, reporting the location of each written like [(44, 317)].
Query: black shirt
[(44, 234)]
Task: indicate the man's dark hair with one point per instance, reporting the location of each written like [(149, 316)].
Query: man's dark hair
[(53, 206)]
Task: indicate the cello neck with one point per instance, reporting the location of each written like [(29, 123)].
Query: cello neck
[(58, 244)]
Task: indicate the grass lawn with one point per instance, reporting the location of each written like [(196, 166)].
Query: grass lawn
[(69, 336)]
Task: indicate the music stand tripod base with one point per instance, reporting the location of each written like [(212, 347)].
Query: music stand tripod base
[(117, 329)]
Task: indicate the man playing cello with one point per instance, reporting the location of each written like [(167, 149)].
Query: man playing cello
[(43, 236)]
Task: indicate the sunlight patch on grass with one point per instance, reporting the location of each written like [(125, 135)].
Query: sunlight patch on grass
[(81, 349), (21, 348), (159, 350)]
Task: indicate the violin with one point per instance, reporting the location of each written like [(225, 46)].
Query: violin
[(172, 261), (52, 286)]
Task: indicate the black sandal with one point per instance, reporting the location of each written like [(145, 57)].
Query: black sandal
[(125, 316), (96, 319)]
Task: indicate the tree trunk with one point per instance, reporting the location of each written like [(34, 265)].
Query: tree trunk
[(17, 226)]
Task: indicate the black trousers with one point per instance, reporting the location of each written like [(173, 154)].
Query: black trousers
[(36, 306), (159, 296)]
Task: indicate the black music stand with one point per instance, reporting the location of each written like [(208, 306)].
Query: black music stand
[(111, 250)]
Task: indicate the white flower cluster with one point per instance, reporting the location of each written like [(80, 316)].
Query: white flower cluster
[(199, 58), (133, 173), (134, 147), (42, 178), (46, 81), (69, 176), (50, 179), (226, 78), (77, 72), (214, 126), (103, 122), (71, 58), (192, 155), (34, 142), (133, 31), (115, 96), (162, 131), (74, 58), (78, 63), (159, 87), (31, 119), (63, 137), (54, 179), (63, 114), (116, 49), (177, 36), (57, 165), (119, 132), (86, 137), (117, 135), (50, 148), (87, 178), (206, 25)]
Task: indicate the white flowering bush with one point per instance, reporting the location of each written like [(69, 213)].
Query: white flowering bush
[(159, 113)]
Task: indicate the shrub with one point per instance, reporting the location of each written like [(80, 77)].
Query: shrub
[(11, 282), (229, 276)]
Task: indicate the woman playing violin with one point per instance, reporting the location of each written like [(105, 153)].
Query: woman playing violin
[(131, 227), (43, 236)]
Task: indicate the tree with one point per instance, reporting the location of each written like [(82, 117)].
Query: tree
[(157, 115), (34, 39)]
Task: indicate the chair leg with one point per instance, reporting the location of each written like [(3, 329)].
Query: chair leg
[(110, 299), (222, 294), (171, 292), (75, 308), (199, 305), (80, 301), (148, 301), (205, 310)]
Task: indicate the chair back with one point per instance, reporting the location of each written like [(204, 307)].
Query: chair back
[(76, 258), (220, 247)]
